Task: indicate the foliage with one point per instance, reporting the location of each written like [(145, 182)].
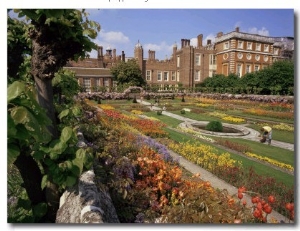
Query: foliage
[(55, 36), (128, 73), (215, 126), (277, 79), (18, 46), (65, 84), (60, 159)]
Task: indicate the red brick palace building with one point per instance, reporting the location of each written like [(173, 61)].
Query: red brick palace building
[(234, 52)]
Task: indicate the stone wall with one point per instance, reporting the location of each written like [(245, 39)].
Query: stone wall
[(86, 202)]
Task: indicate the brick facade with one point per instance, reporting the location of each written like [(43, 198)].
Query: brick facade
[(234, 52)]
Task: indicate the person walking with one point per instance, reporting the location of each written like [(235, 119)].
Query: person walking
[(266, 134)]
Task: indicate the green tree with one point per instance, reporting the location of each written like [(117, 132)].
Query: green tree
[(128, 73), (18, 47), (55, 36)]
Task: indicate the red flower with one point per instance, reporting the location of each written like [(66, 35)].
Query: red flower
[(240, 195), (271, 199)]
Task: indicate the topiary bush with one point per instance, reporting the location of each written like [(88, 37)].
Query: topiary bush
[(215, 126)]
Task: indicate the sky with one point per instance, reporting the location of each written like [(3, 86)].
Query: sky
[(160, 29), (125, 22)]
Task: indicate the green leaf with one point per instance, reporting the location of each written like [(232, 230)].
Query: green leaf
[(13, 152), (57, 147), (40, 210), (44, 181), (66, 134), (71, 180), (21, 115), (15, 90), (80, 154), (38, 155), (11, 129), (76, 111), (77, 166), (63, 114)]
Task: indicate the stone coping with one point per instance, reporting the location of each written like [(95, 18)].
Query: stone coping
[(243, 131)]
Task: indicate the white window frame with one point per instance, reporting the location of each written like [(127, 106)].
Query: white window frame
[(249, 45), (166, 76), (173, 76), (248, 68), (212, 59), (226, 46), (256, 68), (178, 76), (198, 59), (148, 75), (240, 44), (98, 82), (266, 48), (159, 76), (239, 68), (197, 77), (258, 47), (87, 84), (106, 82), (178, 61)]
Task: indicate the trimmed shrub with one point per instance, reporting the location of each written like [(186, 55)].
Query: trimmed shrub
[(215, 126)]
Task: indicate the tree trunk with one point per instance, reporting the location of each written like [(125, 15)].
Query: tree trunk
[(45, 99), (33, 187)]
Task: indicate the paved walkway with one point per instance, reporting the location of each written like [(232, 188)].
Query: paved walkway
[(214, 180)]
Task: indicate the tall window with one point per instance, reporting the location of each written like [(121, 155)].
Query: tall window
[(256, 67), (159, 78), (266, 48), (178, 61), (212, 59), (166, 76), (148, 75), (226, 45), (258, 47), (248, 68), (178, 76), (198, 59), (98, 82), (249, 45), (239, 70), (240, 44), (87, 84), (173, 77), (106, 82), (197, 75)]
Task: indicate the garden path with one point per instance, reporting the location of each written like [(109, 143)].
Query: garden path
[(253, 134), (216, 182)]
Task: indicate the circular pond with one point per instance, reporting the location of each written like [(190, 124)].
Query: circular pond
[(228, 129)]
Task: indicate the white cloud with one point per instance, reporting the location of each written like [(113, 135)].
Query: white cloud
[(161, 50), (194, 41), (113, 37), (263, 31)]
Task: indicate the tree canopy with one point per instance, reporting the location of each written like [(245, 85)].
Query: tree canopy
[(128, 73), (275, 79)]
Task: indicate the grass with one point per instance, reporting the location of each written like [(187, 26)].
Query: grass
[(279, 154), (284, 136)]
